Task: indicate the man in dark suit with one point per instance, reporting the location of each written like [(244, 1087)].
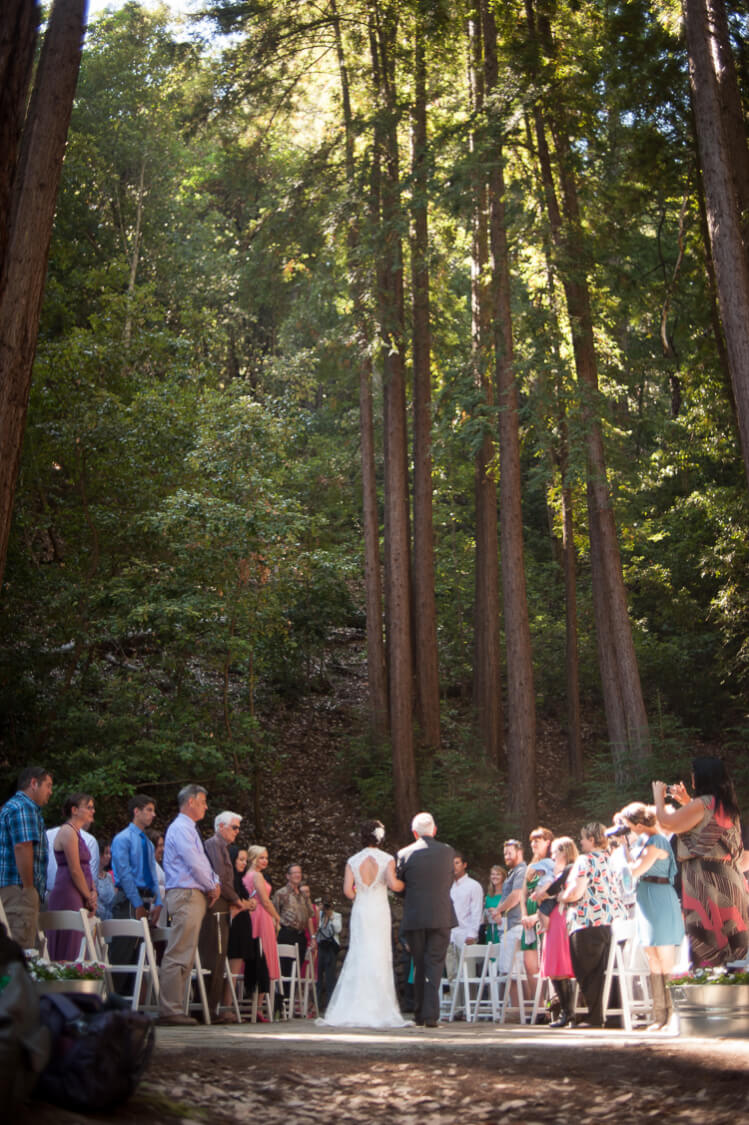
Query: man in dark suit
[(426, 867)]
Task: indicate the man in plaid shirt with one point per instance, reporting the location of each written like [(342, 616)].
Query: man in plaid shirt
[(23, 854)]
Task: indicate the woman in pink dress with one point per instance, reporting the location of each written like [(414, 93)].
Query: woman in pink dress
[(556, 963), (74, 886), (265, 919)]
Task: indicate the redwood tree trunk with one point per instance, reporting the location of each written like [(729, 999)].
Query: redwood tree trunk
[(424, 607), (33, 198), (19, 23), (521, 704), (487, 688), (719, 169), (391, 312), (376, 671)]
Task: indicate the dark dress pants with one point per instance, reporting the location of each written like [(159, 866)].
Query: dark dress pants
[(289, 936), (213, 944), (589, 949), (428, 949)]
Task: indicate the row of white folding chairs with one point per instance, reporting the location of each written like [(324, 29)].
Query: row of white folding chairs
[(487, 993)]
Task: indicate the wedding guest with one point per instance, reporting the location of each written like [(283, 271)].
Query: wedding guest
[(214, 933), (538, 873), (105, 888), (592, 902), (243, 952), (328, 947), (93, 850), (134, 865), (710, 854), (497, 876), (660, 927), (556, 962), (266, 919), (23, 854), (509, 909), (136, 882), (295, 911), (191, 887), (74, 885), (468, 903)]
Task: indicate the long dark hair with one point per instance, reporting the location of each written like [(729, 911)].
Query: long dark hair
[(711, 780)]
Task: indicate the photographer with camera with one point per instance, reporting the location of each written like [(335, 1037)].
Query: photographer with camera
[(328, 947), (660, 927)]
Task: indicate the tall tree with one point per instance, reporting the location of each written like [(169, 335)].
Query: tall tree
[(383, 42), (487, 689), (721, 138), (521, 703), (424, 607), (28, 226)]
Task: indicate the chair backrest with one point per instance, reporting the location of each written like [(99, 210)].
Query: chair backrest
[(4, 918), (123, 927), (473, 953), (76, 920), (289, 952)]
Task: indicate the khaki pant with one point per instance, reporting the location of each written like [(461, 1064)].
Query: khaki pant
[(22, 911), (187, 908)]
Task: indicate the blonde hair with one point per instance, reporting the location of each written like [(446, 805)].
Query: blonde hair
[(567, 846), (495, 867), (254, 852)]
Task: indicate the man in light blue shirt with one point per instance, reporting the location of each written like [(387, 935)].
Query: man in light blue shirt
[(192, 886), (134, 864)]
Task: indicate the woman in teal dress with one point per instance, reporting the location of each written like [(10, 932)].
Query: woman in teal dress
[(660, 926), (497, 876)]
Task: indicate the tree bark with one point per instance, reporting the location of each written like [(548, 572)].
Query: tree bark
[(719, 169), (521, 704), (424, 607), (397, 530), (376, 668), (19, 24), (487, 688), (29, 230)]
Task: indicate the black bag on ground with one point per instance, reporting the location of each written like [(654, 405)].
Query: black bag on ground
[(99, 1052), (24, 1043)]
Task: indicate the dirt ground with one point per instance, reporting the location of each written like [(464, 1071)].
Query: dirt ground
[(514, 1076)]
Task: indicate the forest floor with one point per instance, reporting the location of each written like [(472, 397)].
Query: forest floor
[(298, 1073)]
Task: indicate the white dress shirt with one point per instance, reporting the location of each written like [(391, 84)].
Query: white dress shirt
[(468, 900)]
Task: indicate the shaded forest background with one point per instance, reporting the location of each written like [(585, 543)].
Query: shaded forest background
[(241, 198)]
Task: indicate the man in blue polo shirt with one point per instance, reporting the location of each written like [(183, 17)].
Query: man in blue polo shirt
[(136, 880), (23, 854)]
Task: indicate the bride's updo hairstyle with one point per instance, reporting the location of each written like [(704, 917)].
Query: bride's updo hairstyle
[(372, 833)]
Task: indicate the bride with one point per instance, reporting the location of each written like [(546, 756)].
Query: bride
[(365, 993)]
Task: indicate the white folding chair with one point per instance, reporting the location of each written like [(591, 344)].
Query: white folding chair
[(503, 986), (4, 918), (76, 920), (292, 977), (144, 969), (465, 987), (486, 1004), (627, 964), (309, 985)]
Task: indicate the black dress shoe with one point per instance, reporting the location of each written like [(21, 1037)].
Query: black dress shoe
[(433, 1023)]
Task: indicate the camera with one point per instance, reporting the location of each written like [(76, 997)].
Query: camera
[(617, 830), (327, 905)]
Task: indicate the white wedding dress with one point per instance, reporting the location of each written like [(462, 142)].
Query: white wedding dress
[(364, 995)]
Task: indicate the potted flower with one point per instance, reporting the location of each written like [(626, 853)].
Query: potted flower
[(65, 976), (712, 1001)]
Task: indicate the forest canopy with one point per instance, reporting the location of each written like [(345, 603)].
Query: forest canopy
[(390, 319)]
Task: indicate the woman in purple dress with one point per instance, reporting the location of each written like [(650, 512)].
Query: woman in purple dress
[(74, 886)]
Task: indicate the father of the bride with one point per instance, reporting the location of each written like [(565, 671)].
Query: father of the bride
[(426, 867)]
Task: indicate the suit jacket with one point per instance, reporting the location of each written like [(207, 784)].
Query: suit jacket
[(426, 867)]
